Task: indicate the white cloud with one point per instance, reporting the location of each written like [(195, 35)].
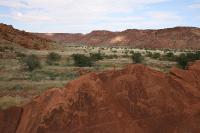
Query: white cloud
[(29, 17), (74, 10), (195, 6), (165, 16), (13, 4), (87, 15)]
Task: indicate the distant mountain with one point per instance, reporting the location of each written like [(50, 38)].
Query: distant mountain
[(10, 35), (178, 37)]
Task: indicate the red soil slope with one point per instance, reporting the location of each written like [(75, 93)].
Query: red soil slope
[(178, 37), (9, 35), (133, 100), (9, 120)]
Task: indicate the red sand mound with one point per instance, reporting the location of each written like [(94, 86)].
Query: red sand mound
[(133, 100), (178, 37), (9, 120), (9, 35)]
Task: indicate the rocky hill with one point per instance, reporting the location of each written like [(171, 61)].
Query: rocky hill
[(178, 37), (10, 35), (133, 100)]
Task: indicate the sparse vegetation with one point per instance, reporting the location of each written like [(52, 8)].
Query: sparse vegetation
[(32, 62), (57, 71)]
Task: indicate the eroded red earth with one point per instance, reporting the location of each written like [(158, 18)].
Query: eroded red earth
[(10, 35), (133, 100)]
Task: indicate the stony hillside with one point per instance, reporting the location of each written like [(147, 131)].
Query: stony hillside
[(178, 37), (133, 100), (10, 35)]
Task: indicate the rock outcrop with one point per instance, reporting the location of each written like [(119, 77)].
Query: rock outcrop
[(133, 100), (178, 37)]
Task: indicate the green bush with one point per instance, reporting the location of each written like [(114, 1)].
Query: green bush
[(170, 56), (71, 75), (35, 76), (183, 58), (52, 58), (32, 62), (53, 75), (96, 56), (112, 56), (17, 87), (149, 54), (2, 49), (82, 60), (132, 52), (182, 61), (137, 58), (193, 56), (155, 55), (20, 54)]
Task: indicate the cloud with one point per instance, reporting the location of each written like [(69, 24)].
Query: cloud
[(165, 16), (73, 10), (87, 15), (28, 17), (13, 4), (195, 5)]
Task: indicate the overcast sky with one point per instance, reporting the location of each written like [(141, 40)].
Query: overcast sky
[(83, 16)]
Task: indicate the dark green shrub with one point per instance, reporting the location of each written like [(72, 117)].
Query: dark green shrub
[(193, 56), (132, 52), (170, 56), (155, 55), (36, 75), (19, 54), (52, 58), (137, 58), (182, 61), (2, 49), (71, 75), (53, 75), (17, 87), (149, 54), (112, 56), (96, 56), (82, 60), (32, 62)]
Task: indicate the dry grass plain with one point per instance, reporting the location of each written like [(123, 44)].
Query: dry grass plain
[(18, 86)]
